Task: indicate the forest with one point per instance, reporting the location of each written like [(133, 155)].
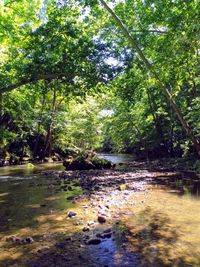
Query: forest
[(78, 75), (99, 133)]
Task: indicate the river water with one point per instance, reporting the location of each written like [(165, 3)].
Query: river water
[(162, 230)]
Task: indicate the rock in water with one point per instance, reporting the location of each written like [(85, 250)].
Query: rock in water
[(90, 223), (101, 219), (71, 214), (15, 239), (86, 229), (86, 161), (29, 240), (122, 187), (94, 241), (30, 165)]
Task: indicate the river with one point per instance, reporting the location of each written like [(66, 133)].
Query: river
[(159, 225)]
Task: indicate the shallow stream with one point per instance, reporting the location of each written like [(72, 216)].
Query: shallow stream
[(158, 226)]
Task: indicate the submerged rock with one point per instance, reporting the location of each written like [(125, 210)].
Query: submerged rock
[(30, 165), (70, 198), (18, 240), (86, 229), (28, 240), (71, 214), (43, 205), (104, 235), (90, 223), (15, 239), (94, 241), (101, 219)]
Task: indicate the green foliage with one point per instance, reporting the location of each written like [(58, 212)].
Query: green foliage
[(82, 86)]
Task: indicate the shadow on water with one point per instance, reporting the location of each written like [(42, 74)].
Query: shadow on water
[(75, 252), (183, 184), (21, 202), (155, 237), (67, 246), (38, 208)]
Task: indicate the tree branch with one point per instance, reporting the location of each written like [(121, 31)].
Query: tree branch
[(34, 79), (150, 31), (155, 74)]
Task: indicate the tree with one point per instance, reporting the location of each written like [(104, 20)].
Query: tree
[(154, 74)]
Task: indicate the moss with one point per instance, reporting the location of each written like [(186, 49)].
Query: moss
[(30, 165)]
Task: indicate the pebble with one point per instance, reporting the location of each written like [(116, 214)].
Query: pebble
[(101, 219), (29, 240), (94, 241), (18, 240), (107, 230), (86, 229), (90, 223), (71, 214), (70, 198)]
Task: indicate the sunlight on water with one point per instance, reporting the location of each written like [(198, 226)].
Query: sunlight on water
[(164, 228)]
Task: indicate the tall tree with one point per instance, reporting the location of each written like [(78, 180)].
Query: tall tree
[(154, 73)]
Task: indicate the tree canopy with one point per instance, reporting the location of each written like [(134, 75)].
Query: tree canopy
[(115, 76)]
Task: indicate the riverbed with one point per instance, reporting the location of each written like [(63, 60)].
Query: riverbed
[(151, 217)]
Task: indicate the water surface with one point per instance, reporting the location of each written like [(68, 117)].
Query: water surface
[(163, 230)]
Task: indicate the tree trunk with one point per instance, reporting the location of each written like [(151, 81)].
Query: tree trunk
[(1, 117), (156, 119), (153, 72), (48, 142), (35, 150)]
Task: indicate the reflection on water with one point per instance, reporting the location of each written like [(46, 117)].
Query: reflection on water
[(118, 158), (184, 184), (22, 202), (24, 171)]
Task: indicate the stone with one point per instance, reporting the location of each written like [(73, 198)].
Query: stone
[(104, 234), (107, 235), (70, 198), (15, 239), (71, 214), (90, 223), (101, 219), (86, 161), (94, 241), (86, 229), (29, 240), (61, 245), (107, 230), (69, 238), (43, 205)]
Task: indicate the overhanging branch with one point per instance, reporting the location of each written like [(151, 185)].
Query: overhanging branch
[(34, 79)]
